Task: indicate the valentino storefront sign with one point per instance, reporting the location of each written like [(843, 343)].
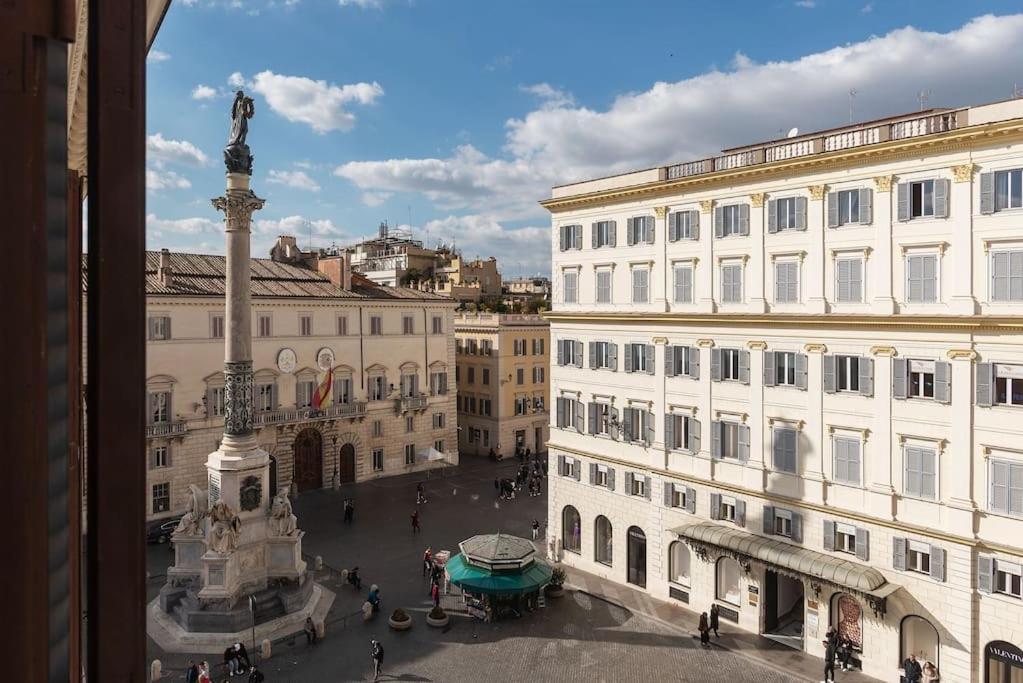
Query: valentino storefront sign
[(1003, 662)]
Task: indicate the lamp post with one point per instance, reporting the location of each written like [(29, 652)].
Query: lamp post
[(252, 612), (335, 484)]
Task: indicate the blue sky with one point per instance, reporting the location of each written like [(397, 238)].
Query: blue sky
[(465, 113)]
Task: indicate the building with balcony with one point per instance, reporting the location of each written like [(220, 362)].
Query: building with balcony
[(466, 280), (525, 289), (788, 382), (351, 377), (502, 361), (392, 257)]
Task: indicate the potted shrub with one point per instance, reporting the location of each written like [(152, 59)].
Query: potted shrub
[(555, 588), (400, 620), (437, 617)]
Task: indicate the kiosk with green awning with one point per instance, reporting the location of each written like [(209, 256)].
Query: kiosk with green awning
[(498, 574)]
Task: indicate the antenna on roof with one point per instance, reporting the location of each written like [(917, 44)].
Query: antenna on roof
[(922, 97), (793, 132), (852, 95)]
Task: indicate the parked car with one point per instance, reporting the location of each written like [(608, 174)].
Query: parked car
[(160, 532)]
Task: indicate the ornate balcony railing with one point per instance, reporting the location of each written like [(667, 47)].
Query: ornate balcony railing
[(166, 429), (288, 415), (409, 403)]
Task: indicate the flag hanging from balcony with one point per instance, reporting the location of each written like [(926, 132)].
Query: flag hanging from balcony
[(322, 397)]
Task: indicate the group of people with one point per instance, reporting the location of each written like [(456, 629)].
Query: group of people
[(836, 646), (436, 574), (914, 672), (236, 661), (708, 624), (349, 507)]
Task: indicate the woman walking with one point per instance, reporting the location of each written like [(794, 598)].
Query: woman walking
[(704, 629)]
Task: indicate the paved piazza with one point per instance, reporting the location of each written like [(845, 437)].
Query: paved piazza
[(575, 638)]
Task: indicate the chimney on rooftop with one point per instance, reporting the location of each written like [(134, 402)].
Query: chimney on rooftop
[(165, 273), (346, 270), (286, 250)]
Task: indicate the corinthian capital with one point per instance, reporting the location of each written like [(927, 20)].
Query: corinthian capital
[(238, 207)]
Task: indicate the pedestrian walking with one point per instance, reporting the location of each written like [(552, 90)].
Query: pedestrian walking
[(415, 522), (435, 594), (845, 651), (427, 560), (714, 615), (420, 493), (310, 631), (192, 673), (256, 676), (704, 629), (830, 650), (912, 672), (497, 487), (377, 652), (536, 528)]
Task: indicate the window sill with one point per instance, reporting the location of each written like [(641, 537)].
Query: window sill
[(606, 564)]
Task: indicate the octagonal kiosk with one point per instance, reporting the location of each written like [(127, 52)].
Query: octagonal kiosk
[(499, 576)]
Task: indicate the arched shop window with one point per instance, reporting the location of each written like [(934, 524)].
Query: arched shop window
[(678, 563), (847, 618), (728, 573), (570, 529), (602, 540), (918, 637)]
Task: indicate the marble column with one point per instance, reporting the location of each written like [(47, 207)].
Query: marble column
[(707, 274), (880, 279), (961, 214), (816, 259), (755, 275)]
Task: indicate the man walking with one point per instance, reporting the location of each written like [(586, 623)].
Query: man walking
[(714, 615), (415, 522), (420, 494), (192, 675), (536, 528), (377, 652), (830, 647), (427, 560)]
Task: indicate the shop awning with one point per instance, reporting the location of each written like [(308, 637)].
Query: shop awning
[(479, 580), (791, 559)]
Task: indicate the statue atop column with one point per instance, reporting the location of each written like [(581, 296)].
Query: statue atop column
[(236, 155)]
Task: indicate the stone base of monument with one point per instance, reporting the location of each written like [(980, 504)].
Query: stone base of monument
[(198, 611), (169, 634)]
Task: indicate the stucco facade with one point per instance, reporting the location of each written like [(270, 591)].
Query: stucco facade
[(813, 343), (503, 361)]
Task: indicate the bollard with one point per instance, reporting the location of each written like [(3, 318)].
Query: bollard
[(264, 649), (318, 562), (321, 628), (155, 670)]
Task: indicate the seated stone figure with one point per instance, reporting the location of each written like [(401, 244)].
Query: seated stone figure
[(282, 518), (191, 523), (224, 528)]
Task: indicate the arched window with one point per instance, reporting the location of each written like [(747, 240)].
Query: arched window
[(918, 637), (678, 563), (602, 540), (728, 573), (847, 618), (571, 531)]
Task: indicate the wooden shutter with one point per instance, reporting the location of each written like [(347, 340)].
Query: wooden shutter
[(941, 188), (719, 221), (715, 506), (593, 471), (669, 361), (797, 527), (593, 418), (561, 352), (778, 447), (630, 226), (629, 487), (612, 233), (899, 553), (669, 494), (612, 356), (578, 353), (561, 411), (866, 206), (987, 192), (715, 365), (650, 436), (576, 471), (743, 219), (937, 563), (715, 439), (577, 231), (828, 378), (649, 351), (800, 213), (862, 544), (694, 362), (829, 535), (832, 209), (903, 202), (744, 367), (743, 443), (646, 488), (770, 372), (561, 463), (985, 384), (669, 431), (768, 520), (651, 229), (740, 513), (694, 435), (151, 324), (673, 227), (593, 235), (866, 367), (985, 573), (628, 357), (900, 378), (627, 416), (561, 237), (580, 417), (942, 382), (273, 396), (772, 215), (801, 371), (592, 349), (694, 225), (691, 500), (611, 478)]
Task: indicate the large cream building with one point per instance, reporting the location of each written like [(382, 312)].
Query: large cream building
[(380, 358), (503, 361), (789, 381)]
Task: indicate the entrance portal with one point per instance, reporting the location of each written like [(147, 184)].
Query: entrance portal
[(637, 556), (308, 449), (347, 468), (783, 609)]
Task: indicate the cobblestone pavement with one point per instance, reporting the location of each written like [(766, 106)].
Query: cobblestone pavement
[(575, 638)]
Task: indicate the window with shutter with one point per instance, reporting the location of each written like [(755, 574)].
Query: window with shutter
[(1005, 189), (786, 282), (849, 280), (1006, 275), (683, 284), (920, 472), (847, 464), (603, 286), (731, 283), (1005, 487), (640, 285), (785, 454), (570, 286), (922, 278)]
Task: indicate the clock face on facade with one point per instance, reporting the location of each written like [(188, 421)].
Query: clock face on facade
[(325, 359), (287, 360)]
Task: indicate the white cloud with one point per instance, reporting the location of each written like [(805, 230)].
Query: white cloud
[(375, 198), (362, 4), (160, 150), (696, 117), (520, 250), (181, 226), (320, 232), (160, 179), (236, 80), (741, 61), (806, 4), (868, 8), (319, 104), (552, 98), (158, 56), (298, 179), (203, 92)]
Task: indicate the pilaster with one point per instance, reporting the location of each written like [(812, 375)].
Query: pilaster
[(706, 287), (702, 463), (880, 267), (660, 288), (660, 405), (956, 467), (961, 215), (813, 475), (755, 272), (878, 460), (759, 438), (815, 262)]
